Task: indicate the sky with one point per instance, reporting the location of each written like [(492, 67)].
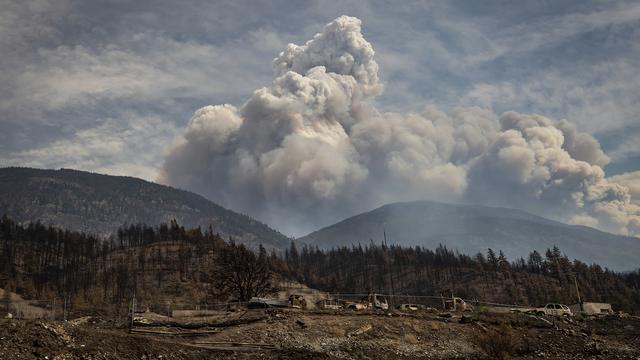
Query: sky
[(116, 87)]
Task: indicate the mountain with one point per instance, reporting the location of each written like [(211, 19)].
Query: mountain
[(473, 228), (99, 204)]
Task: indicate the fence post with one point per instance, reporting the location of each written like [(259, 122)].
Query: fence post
[(133, 311)]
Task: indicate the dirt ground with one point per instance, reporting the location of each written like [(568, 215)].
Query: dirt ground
[(25, 308), (290, 334)]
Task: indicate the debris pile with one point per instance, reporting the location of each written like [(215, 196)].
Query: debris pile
[(295, 334)]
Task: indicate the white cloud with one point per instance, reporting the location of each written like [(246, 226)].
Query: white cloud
[(603, 97), (133, 149), (149, 69), (62, 87), (554, 30), (626, 149)]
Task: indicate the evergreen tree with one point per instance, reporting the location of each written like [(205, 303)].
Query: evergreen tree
[(492, 259)]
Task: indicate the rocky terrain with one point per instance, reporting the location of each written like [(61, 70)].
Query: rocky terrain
[(289, 334)]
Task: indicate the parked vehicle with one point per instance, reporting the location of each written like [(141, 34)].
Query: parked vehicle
[(378, 301), (408, 307), (329, 304), (354, 305), (458, 304), (553, 309), (297, 301), (592, 308), (371, 301)]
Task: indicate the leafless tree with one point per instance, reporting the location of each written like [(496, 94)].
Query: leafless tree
[(242, 274)]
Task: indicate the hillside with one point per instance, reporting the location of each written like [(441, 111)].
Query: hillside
[(471, 229), (99, 204), (184, 311)]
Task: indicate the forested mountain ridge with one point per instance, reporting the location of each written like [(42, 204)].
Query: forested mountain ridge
[(473, 228), (99, 204)]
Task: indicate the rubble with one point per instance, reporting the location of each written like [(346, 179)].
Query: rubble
[(285, 334), (361, 330)]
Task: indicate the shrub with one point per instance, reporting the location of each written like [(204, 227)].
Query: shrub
[(497, 344)]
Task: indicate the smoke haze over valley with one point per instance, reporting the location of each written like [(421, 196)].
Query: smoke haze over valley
[(316, 116), (312, 148)]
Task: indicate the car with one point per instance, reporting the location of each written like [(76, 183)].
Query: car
[(553, 309), (370, 302), (354, 305), (408, 307), (377, 301), (329, 304)]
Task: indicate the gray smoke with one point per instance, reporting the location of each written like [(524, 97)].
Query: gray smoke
[(311, 149)]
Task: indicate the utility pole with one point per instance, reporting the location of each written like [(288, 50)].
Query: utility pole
[(386, 250), (575, 281)]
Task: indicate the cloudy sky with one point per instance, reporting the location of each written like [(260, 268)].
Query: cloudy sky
[(112, 87)]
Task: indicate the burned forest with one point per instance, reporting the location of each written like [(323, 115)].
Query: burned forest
[(166, 282), (169, 263)]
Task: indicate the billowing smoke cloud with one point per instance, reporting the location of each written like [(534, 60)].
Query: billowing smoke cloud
[(539, 164), (311, 149), (631, 181)]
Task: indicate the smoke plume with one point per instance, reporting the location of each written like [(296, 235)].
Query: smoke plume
[(311, 148)]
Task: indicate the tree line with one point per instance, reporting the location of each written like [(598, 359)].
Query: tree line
[(154, 264), (169, 264), (490, 276)]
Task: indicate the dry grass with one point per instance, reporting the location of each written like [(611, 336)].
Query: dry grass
[(434, 325), (336, 330), (497, 344), (410, 339)]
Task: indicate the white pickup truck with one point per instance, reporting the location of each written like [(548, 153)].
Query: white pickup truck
[(553, 309)]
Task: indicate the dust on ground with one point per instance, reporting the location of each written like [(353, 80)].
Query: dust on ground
[(25, 308)]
